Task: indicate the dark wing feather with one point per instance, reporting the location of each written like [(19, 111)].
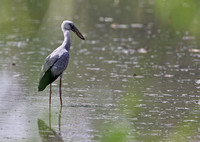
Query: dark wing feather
[(49, 61), (46, 76), (53, 67), (46, 79)]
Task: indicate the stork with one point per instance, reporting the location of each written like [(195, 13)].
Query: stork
[(58, 60)]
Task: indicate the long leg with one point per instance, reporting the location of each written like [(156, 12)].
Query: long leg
[(59, 121), (60, 91), (50, 95), (50, 106), (49, 116)]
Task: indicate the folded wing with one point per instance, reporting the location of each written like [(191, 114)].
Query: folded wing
[(53, 67)]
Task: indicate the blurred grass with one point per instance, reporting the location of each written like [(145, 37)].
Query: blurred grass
[(179, 15), (116, 132)]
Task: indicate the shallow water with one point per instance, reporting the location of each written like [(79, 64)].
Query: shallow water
[(132, 79)]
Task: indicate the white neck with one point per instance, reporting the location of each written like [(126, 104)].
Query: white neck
[(66, 43)]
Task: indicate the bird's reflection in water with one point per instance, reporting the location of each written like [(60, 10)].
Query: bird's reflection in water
[(47, 134)]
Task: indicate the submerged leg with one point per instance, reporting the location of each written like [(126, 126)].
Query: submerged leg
[(60, 92), (59, 121), (50, 95), (50, 116)]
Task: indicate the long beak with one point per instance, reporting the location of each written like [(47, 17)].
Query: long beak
[(78, 33)]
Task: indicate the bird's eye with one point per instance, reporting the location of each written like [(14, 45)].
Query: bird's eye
[(71, 25)]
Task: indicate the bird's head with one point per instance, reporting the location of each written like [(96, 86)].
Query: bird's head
[(68, 25)]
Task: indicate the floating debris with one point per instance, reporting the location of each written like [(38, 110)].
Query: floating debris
[(16, 75), (197, 102), (125, 26), (142, 50), (93, 69), (119, 26), (188, 37), (136, 25), (197, 81), (168, 75), (194, 50), (105, 19)]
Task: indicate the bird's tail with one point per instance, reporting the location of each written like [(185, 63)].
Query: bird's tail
[(46, 79)]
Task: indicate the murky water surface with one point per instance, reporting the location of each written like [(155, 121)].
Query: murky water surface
[(132, 79)]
